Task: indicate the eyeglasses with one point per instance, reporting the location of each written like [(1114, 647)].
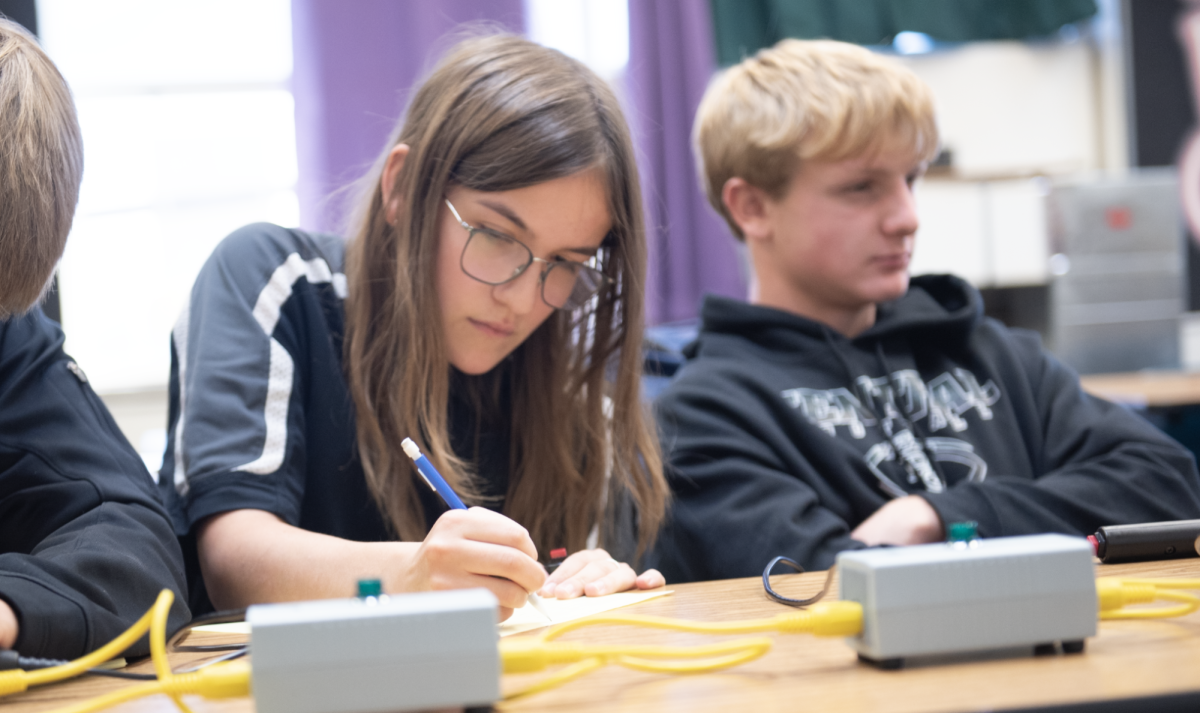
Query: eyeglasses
[(494, 258)]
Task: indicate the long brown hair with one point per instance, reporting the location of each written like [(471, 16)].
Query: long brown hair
[(501, 113)]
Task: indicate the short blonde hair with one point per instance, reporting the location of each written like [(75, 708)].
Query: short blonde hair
[(805, 100), (41, 166)]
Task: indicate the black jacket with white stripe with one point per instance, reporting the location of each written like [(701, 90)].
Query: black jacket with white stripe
[(260, 412), (85, 546)]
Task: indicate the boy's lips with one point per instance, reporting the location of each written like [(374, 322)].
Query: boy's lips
[(497, 329), (894, 260)]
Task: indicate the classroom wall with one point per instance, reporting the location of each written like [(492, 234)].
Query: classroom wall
[(1014, 116), (1016, 109)]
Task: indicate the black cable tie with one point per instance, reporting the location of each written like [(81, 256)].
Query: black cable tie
[(789, 600)]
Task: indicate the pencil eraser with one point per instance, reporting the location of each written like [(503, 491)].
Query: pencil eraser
[(559, 553)]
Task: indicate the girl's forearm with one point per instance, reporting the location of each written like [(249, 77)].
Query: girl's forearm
[(251, 556)]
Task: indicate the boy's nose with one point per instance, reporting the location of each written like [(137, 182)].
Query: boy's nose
[(901, 218)]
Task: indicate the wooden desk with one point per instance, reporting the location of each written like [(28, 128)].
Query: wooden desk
[(1127, 659), (1146, 388)]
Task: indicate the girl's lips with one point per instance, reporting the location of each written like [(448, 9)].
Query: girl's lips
[(491, 328)]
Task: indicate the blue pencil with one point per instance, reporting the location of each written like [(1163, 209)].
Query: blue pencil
[(439, 485)]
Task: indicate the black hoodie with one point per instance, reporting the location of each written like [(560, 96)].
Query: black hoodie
[(781, 435), (85, 545)]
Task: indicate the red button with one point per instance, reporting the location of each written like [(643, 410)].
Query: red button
[(1119, 218)]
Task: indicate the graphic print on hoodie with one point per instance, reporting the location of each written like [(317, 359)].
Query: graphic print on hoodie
[(897, 404), (780, 436)]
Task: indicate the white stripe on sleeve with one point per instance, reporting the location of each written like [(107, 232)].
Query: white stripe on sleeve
[(275, 414), (279, 380), (180, 335)]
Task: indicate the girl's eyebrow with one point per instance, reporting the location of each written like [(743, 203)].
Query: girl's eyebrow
[(505, 211), (512, 217)]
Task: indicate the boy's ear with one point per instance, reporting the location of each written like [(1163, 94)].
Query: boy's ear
[(747, 205), (392, 202)]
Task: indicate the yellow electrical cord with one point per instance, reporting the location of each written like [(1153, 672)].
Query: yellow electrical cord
[(824, 619), (535, 654), (1113, 594), (223, 680), (530, 654), (17, 681), (230, 679)]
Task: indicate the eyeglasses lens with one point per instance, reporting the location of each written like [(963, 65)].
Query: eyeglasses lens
[(495, 259), (560, 284)]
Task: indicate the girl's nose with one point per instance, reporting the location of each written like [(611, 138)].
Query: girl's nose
[(523, 294)]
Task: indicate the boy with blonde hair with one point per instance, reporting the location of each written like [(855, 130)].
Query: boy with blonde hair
[(85, 546), (847, 405)]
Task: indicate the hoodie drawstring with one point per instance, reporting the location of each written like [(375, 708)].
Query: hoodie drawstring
[(919, 436), (908, 442)]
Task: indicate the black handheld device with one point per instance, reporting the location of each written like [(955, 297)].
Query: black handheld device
[(1146, 541)]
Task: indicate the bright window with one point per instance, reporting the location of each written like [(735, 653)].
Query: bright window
[(189, 133), (595, 32)]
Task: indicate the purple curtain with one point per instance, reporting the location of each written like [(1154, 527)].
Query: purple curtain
[(354, 64), (671, 57)]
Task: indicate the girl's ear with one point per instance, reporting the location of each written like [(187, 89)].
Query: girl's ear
[(747, 205), (392, 202)]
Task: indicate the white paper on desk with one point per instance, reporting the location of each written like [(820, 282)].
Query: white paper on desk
[(524, 619), (237, 627), (563, 610)]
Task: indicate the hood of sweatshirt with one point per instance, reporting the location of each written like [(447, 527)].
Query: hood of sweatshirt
[(936, 306)]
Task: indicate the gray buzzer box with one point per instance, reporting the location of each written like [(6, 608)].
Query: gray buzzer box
[(990, 594), (389, 653)]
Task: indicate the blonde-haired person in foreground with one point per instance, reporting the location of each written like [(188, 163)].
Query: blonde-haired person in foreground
[(85, 545), (845, 404), (488, 305)]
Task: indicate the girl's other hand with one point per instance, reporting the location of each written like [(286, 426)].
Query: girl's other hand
[(478, 548), (595, 573)]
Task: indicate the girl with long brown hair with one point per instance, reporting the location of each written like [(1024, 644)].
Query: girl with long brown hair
[(490, 308)]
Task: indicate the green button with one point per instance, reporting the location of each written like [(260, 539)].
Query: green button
[(369, 588), (963, 531)]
